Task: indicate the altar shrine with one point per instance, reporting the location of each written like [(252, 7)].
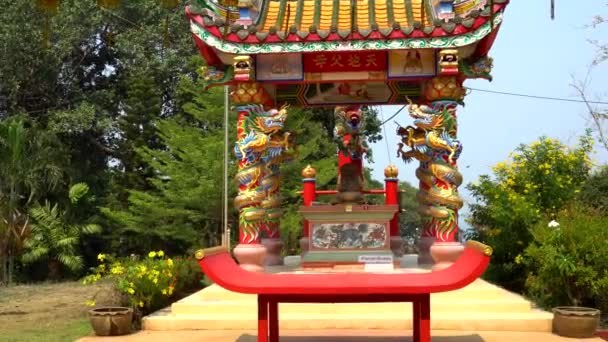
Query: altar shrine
[(346, 54)]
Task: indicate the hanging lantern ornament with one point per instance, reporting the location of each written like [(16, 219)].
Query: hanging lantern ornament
[(109, 4), (49, 7), (168, 5)]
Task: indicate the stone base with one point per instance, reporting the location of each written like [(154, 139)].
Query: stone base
[(445, 253), (250, 256), (397, 246), (274, 248), (424, 254)]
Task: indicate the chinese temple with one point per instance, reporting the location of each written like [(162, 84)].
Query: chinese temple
[(346, 54)]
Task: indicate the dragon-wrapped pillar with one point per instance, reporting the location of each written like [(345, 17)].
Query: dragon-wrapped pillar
[(259, 149), (277, 153), (433, 141)]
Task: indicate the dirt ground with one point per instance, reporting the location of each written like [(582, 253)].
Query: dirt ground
[(47, 312)]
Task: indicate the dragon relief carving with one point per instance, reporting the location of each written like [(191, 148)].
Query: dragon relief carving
[(433, 142), (260, 148)]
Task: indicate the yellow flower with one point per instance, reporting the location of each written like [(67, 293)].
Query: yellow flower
[(519, 259), (170, 290), (117, 269), (169, 262), (141, 304), (152, 254), (90, 303), (155, 280), (160, 254), (131, 290), (101, 257), (164, 291)]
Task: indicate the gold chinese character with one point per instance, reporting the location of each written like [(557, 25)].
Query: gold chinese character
[(320, 60), (370, 60), (336, 60), (354, 61)]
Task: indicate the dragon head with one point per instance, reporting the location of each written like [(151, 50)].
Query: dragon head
[(424, 116), (272, 121)]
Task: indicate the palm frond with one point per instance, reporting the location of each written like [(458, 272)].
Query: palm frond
[(78, 191), (91, 229), (35, 254), (73, 262)]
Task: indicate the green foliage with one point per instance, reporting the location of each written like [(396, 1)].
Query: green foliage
[(568, 261), (595, 191), (409, 220), (30, 160), (183, 209), (54, 237), (148, 284), (538, 180)]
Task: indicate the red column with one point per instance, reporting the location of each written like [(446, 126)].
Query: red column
[(310, 188), (391, 186)]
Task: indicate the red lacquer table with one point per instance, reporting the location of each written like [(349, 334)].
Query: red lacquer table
[(273, 289)]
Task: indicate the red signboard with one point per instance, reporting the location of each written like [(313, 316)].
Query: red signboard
[(345, 61)]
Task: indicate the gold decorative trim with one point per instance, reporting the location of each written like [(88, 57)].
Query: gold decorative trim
[(201, 253), (485, 249)]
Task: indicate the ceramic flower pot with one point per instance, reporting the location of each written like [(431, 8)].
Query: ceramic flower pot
[(575, 321), (111, 321)]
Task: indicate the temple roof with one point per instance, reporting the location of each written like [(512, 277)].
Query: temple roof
[(309, 25)]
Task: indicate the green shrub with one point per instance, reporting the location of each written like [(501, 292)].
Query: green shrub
[(568, 263), (148, 284), (538, 180)]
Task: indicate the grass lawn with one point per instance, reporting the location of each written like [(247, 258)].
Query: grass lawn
[(47, 312)]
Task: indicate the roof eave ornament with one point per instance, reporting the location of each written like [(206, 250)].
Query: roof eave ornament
[(445, 10)]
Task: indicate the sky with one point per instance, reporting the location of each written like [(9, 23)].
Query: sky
[(532, 55)]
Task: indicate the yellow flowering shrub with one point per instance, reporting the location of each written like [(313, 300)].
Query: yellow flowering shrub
[(537, 180), (147, 284)]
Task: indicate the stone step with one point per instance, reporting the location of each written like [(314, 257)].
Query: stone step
[(190, 306), (534, 320)]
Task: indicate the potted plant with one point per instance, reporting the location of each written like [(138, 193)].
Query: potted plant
[(143, 286), (111, 321), (575, 321)]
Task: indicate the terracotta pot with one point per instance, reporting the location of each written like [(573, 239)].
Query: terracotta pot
[(250, 256), (111, 321), (445, 254), (575, 321)]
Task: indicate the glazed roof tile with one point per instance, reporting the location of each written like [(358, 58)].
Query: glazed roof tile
[(299, 21)]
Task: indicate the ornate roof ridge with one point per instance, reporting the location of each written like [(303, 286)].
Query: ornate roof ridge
[(206, 26)]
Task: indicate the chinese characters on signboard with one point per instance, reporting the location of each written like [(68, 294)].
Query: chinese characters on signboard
[(345, 61)]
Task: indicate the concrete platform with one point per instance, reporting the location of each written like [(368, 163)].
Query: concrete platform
[(480, 306), (336, 336)]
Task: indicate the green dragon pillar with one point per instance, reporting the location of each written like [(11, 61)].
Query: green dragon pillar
[(433, 141)]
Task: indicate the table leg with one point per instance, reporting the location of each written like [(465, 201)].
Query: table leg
[(416, 319), (262, 319), (425, 318), (273, 320)]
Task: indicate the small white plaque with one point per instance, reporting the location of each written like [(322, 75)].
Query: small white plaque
[(376, 259)]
